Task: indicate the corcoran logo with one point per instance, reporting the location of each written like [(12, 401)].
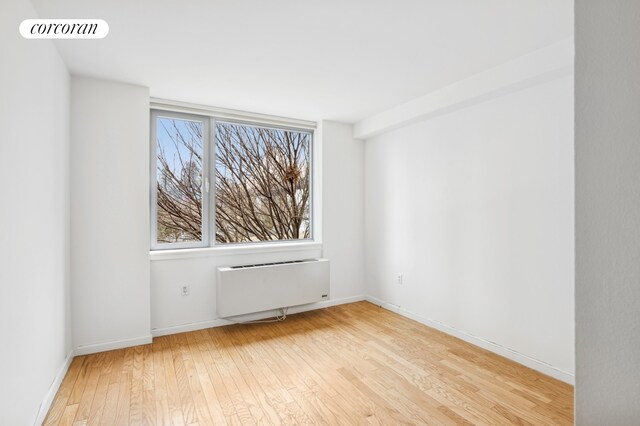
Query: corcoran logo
[(64, 28)]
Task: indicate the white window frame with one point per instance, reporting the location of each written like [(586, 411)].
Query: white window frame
[(209, 117)]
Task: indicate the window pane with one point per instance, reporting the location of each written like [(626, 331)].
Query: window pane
[(262, 184), (179, 178)]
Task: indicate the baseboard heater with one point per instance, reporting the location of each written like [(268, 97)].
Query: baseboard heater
[(246, 289)]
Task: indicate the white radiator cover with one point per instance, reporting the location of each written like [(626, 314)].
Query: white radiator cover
[(256, 288)]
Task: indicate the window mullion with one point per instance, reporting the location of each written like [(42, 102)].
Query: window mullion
[(211, 160), (205, 174)]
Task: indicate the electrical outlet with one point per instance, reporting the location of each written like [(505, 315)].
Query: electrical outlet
[(399, 278), (185, 290)]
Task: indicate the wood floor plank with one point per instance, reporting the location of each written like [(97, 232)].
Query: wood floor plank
[(312, 390), (84, 407), (68, 415), (172, 394), (99, 400), (210, 399), (358, 401), (56, 411), (81, 380), (186, 399), (63, 397), (123, 406), (111, 404), (352, 364), (249, 410), (219, 388), (277, 389), (163, 413), (148, 387), (322, 365)]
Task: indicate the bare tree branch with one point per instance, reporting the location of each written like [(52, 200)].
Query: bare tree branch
[(261, 183)]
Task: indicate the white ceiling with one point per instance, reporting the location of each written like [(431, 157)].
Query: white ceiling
[(325, 59)]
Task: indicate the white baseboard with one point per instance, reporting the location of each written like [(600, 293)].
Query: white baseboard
[(109, 346), (183, 328), (218, 322), (525, 360), (53, 390)]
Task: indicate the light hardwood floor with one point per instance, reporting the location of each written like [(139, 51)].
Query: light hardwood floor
[(349, 364)]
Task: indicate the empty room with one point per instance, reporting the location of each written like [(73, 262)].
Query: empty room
[(339, 212)]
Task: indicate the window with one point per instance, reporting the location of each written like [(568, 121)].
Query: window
[(180, 153), (217, 182)]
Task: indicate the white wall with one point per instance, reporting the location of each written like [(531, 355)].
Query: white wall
[(339, 184), (343, 208), (34, 218), (109, 213), (169, 309), (475, 208), (607, 212)]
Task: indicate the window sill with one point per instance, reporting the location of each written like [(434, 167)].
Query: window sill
[(234, 250)]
